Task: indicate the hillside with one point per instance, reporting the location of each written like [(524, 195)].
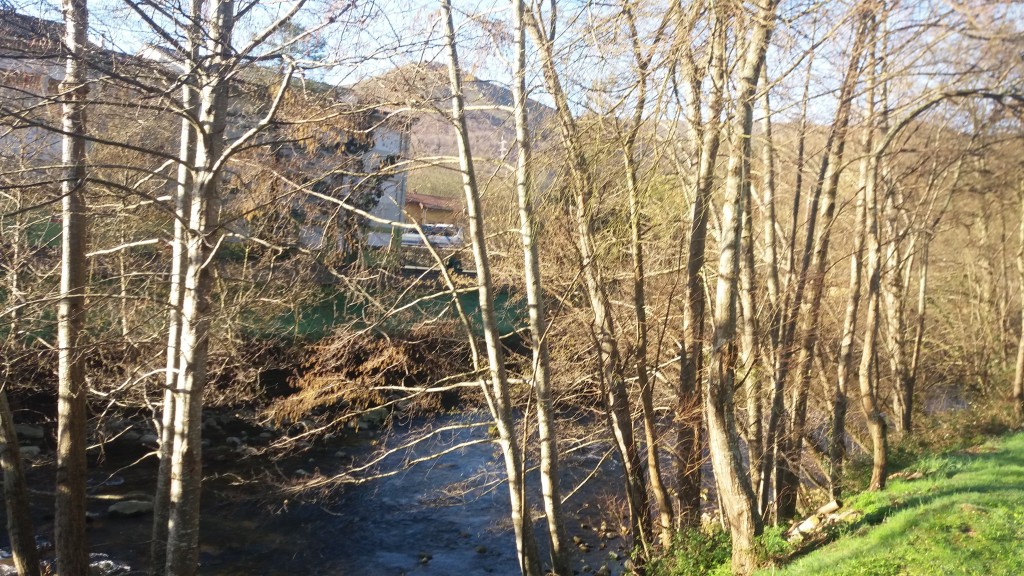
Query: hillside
[(424, 88), (959, 513)]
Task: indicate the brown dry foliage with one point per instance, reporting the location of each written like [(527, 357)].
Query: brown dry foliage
[(352, 372)]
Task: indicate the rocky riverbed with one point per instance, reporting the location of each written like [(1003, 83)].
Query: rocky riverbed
[(446, 515)]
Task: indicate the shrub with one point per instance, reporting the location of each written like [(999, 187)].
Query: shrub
[(695, 551)]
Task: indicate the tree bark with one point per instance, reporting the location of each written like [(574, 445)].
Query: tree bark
[(826, 187), (69, 531), (734, 489), (637, 225), (868, 388), (602, 327), (837, 434), (689, 416), (498, 398), (202, 237), (16, 497), (786, 315), (546, 422), (175, 298), (1018, 378)]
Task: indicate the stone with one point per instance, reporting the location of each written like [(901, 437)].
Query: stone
[(30, 451), (102, 565), (29, 431), (603, 571), (481, 549), (130, 436), (149, 439), (233, 441), (129, 508)]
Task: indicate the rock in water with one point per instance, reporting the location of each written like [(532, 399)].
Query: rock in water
[(129, 508), (102, 565), (29, 432)]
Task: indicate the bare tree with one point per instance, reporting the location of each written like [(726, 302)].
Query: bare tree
[(734, 489), (1018, 374), (602, 327), (187, 143), (546, 423), (498, 398), (70, 537), (16, 496)]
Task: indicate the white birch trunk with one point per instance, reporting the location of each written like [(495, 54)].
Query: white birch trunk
[(70, 538), (546, 422), (175, 298), (186, 461), (498, 396)]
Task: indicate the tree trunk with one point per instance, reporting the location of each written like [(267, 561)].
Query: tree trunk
[(689, 415), (868, 390), (750, 352), (813, 282), (837, 439), (16, 497), (637, 225), (202, 238), (610, 369), (895, 267), (182, 201), (70, 538), (786, 314), (546, 422), (498, 398), (1018, 378), (772, 283), (734, 489)]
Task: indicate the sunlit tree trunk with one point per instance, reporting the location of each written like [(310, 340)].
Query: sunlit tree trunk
[(637, 225), (750, 350), (894, 292), (70, 538), (734, 489), (707, 140), (546, 422), (826, 188), (757, 445), (202, 238), (498, 397), (603, 330), (844, 364), (787, 306), (868, 386), (182, 201)]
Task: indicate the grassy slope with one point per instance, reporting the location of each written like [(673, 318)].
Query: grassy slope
[(965, 516)]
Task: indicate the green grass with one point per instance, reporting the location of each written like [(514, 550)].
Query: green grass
[(317, 317), (965, 516)]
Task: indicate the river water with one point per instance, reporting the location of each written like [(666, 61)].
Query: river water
[(446, 516)]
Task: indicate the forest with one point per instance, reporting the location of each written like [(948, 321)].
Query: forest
[(625, 287)]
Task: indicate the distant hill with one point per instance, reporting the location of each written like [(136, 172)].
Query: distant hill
[(425, 88)]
